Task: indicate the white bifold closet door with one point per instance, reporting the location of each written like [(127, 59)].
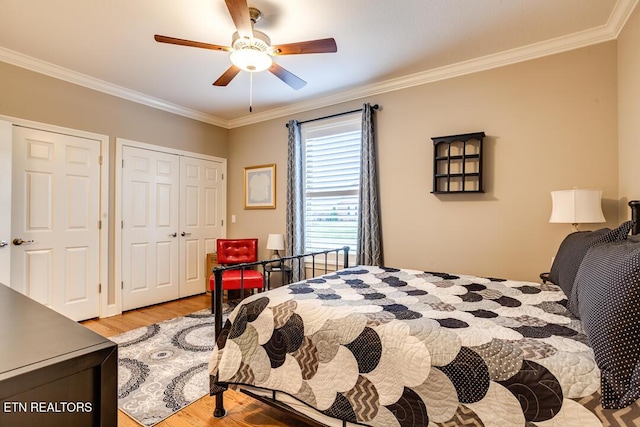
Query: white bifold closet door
[(172, 216), (149, 227), (201, 216)]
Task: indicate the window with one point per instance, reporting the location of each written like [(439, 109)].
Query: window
[(331, 182)]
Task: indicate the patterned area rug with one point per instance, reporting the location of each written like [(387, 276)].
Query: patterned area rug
[(163, 367)]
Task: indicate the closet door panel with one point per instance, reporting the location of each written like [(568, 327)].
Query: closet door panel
[(201, 219), (150, 214)]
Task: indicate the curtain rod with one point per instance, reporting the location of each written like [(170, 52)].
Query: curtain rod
[(375, 107)]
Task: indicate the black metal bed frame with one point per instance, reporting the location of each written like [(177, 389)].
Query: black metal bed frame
[(302, 265), (216, 301), (635, 216)]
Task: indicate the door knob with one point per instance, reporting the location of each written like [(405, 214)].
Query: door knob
[(3, 244), (185, 234), (19, 242), (173, 235)]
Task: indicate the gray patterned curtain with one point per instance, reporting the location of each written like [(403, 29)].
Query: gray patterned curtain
[(294, 238), (369, 250)]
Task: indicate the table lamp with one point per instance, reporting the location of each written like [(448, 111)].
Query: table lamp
[(275, 242), (576, 206)]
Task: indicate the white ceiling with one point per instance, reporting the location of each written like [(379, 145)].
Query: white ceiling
[(382, 45)]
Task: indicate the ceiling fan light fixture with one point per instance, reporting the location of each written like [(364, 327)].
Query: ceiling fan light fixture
[(251, 60), (251, 50), (251, 53)]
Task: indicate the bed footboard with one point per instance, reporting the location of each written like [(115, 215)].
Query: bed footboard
[(635, 208), (301, 262)]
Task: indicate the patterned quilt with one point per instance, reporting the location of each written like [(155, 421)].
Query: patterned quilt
[(395, 347)]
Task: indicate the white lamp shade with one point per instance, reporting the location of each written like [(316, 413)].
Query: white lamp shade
[(577, 206), (275, 242)]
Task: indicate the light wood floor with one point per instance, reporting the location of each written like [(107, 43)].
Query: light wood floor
[(241, 409)]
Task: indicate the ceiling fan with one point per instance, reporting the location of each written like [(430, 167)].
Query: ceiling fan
[(251, 50)]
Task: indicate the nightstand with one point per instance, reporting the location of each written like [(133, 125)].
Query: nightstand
[(282, 269)]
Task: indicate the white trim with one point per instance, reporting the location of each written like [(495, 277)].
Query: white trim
[(39, 66), (104, 197), (619, 16), (610, 31), (168, 150), (117, 234), (6, 166), (104, 231), (335, 125), (509, 57), (117, 241), (345, 130)]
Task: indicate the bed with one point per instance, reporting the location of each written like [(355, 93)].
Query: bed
[(383, 346)]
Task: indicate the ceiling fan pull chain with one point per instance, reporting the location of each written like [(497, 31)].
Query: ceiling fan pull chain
[(250, 92)]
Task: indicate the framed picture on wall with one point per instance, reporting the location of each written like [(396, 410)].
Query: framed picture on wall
[(260, 187)]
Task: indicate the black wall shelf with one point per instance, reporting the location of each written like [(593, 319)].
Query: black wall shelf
[(457, 163)]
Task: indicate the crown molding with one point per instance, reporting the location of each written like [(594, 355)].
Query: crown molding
[(610, 31), (61, 73), (513, 56), (620, 14)]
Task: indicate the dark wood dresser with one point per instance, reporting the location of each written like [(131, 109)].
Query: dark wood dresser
[(53, 371)]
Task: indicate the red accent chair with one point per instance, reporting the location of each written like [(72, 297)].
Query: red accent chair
[(237, 251)]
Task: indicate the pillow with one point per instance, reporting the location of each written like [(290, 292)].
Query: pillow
[(573, 249), (607, 291)]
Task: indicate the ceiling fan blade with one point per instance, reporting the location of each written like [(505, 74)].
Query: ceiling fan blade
[(183, 42), (227, 76), (311, 46), (239, 11), (287, 76)]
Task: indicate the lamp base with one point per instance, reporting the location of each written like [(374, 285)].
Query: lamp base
[(276, 257)]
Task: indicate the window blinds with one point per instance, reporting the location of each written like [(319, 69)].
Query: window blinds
[(332, 175)]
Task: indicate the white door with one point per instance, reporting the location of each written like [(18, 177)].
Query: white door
[(150, 227), (5, 202), (55, 251), (201, 216)]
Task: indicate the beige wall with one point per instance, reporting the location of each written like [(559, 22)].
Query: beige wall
[(629, 112), (551, 124), (32, 96)]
